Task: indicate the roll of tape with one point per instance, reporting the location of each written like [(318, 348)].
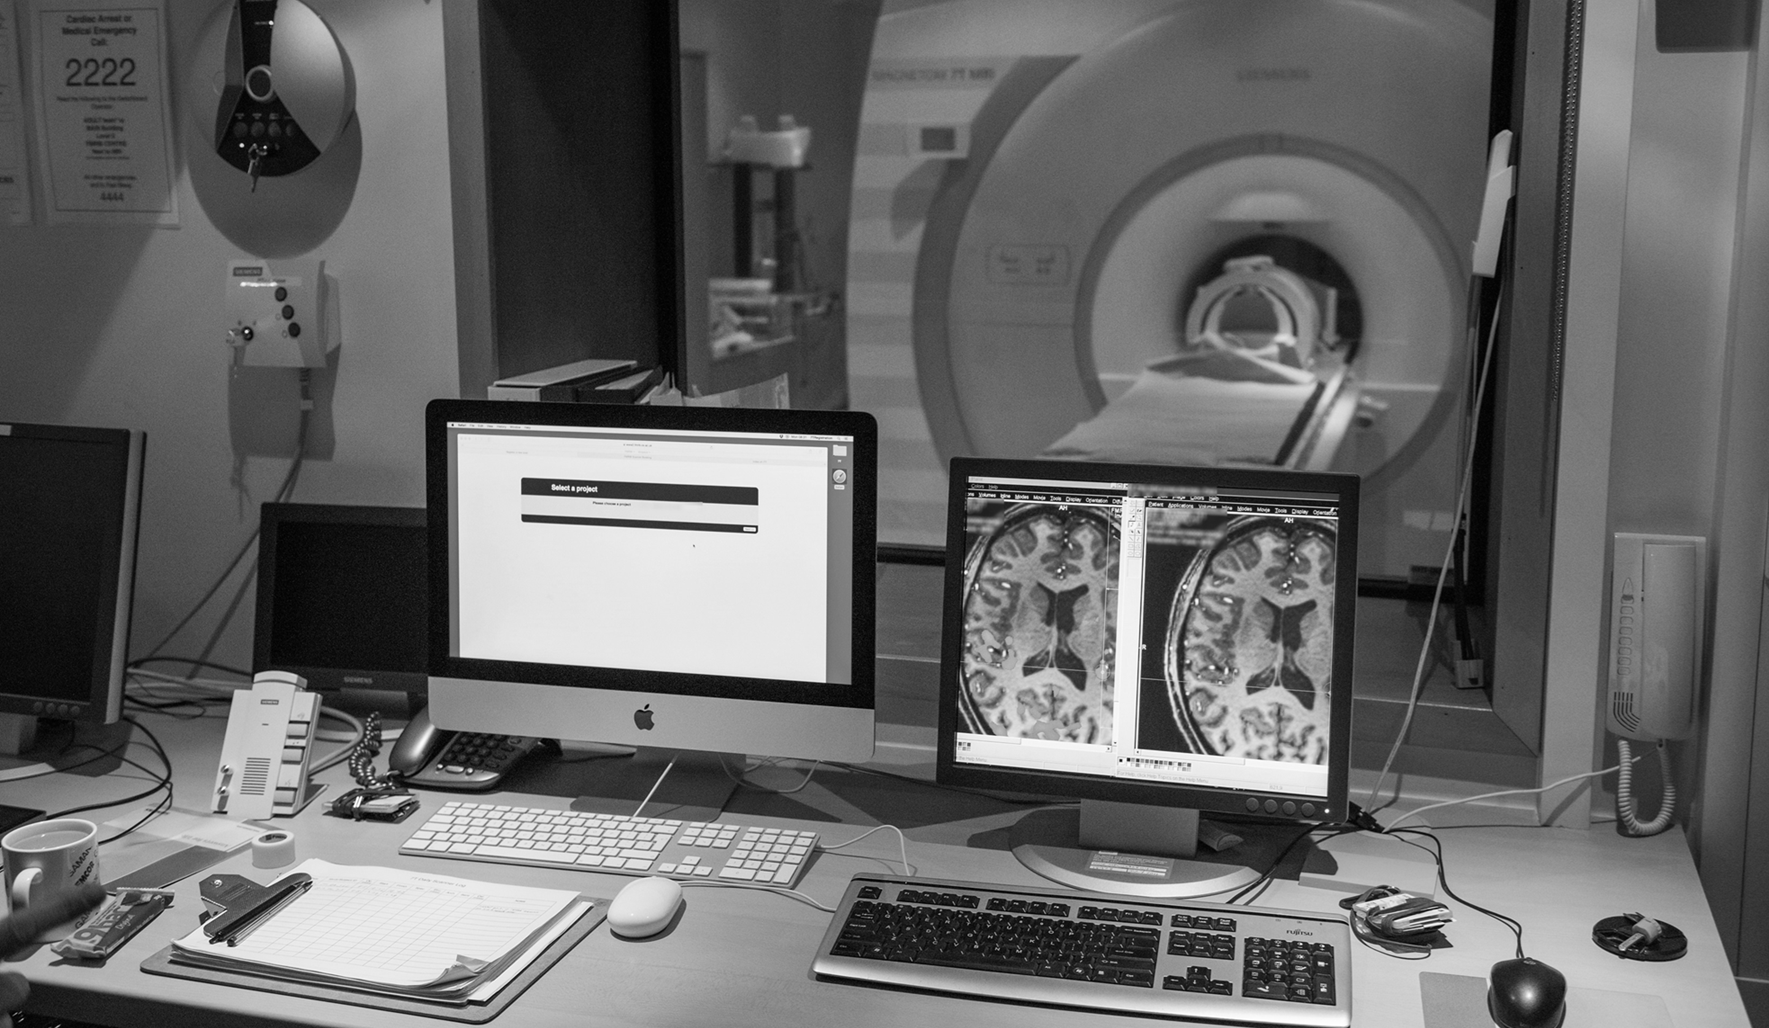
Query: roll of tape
[(273, 849)]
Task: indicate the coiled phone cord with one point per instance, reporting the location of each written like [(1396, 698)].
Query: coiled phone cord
[(1624, 793)]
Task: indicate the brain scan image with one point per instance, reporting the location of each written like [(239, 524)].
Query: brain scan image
[(1040, 622), (1249, 645)]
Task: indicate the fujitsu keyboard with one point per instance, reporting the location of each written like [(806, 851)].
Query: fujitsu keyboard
[(544, 837), (1176, 958)]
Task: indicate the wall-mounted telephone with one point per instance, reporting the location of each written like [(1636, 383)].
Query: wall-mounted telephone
[(269, 744), (429, 757), (1657, 622)]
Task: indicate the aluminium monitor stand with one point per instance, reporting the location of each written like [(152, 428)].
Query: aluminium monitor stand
[(696, 788), (1136, 850)]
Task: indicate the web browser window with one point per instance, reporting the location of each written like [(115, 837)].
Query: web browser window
[(707, 553)]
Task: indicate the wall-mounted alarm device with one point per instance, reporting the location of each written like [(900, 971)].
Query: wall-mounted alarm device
[(283, 316), (289, 89)]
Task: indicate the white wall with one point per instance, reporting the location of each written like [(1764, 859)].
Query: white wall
[(125, 326)]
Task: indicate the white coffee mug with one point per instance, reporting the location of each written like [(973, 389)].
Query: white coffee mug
[(46, 858)]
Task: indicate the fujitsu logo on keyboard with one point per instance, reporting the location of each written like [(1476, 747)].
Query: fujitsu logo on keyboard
[(1300, 931)]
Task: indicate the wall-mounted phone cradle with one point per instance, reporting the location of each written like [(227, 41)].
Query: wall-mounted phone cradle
[(284, 316), (269, 744), (289, 89), (1658, 592)]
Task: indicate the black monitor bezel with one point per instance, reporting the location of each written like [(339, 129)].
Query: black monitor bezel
[(859, 694), (113, 609), (328, 678), (948, 771)]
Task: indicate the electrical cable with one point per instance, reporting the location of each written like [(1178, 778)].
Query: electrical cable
[(1443, 882), (1510, 792), (283, 491), (778, 889), (356, 744), (656, 784), (135, 665), (744, 783), (1029, 801), (902, 845), (1437, 593), (1624, 792)]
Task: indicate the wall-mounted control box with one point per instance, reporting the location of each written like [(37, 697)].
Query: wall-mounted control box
[(281, 316)]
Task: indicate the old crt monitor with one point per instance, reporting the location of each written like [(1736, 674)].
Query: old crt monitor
[(70, 504), (1160, 642), (343, 596), (694, 581)]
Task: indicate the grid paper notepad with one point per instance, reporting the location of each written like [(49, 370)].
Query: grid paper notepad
[(395, 929)]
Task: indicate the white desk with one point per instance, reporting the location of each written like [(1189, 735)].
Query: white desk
[(741, 958)]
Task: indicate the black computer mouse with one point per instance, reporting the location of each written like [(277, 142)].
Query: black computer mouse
[(1526, 993)]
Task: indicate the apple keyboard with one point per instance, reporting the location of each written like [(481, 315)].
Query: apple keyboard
[(543, 837)]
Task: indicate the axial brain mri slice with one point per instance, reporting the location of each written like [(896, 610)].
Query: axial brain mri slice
[(1040, 623), (1249, 653)]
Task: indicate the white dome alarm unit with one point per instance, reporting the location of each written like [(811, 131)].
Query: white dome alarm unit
[(289, 89)]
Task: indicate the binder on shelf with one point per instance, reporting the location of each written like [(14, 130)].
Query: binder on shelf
[(626, 389), (562, 382)]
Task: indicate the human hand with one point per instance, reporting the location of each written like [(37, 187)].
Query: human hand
[(14, 990), (20, 930)]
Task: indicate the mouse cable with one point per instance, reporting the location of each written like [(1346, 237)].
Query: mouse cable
[(1436, 851), (1623, 767), (1425, 647), (902, 845), (1250, 892), (782, 890)]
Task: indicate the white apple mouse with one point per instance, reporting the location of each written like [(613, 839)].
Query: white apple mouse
[(645, 907)]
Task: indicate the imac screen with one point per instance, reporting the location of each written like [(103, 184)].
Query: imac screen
[(660, 556)]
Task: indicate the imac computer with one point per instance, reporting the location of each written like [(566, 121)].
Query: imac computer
[(1158, 642), (696, 582), (343, 596), (70, 506)]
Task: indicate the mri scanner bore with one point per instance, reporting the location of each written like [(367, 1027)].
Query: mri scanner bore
[(1182, 231)]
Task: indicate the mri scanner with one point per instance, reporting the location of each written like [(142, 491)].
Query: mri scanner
[(1180, 230)]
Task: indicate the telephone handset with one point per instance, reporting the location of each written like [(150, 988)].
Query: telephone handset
[(432, 758), (1656, 627), (269, 745)]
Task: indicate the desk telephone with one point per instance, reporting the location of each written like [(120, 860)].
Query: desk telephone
[(431, 758)]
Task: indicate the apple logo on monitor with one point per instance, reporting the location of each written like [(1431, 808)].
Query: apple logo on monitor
[(642, 718)]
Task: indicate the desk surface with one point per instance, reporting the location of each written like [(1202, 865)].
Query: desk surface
[(742, 958)]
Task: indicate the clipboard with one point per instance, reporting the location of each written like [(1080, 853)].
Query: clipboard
[(163, 963)]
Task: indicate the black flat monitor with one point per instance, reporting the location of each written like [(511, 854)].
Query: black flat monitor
[(1157, 641), (70, 509), (343, 596), (694, 581)]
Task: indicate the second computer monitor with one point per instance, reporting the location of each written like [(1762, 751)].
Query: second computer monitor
[(685, 578), (1148, 639)]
